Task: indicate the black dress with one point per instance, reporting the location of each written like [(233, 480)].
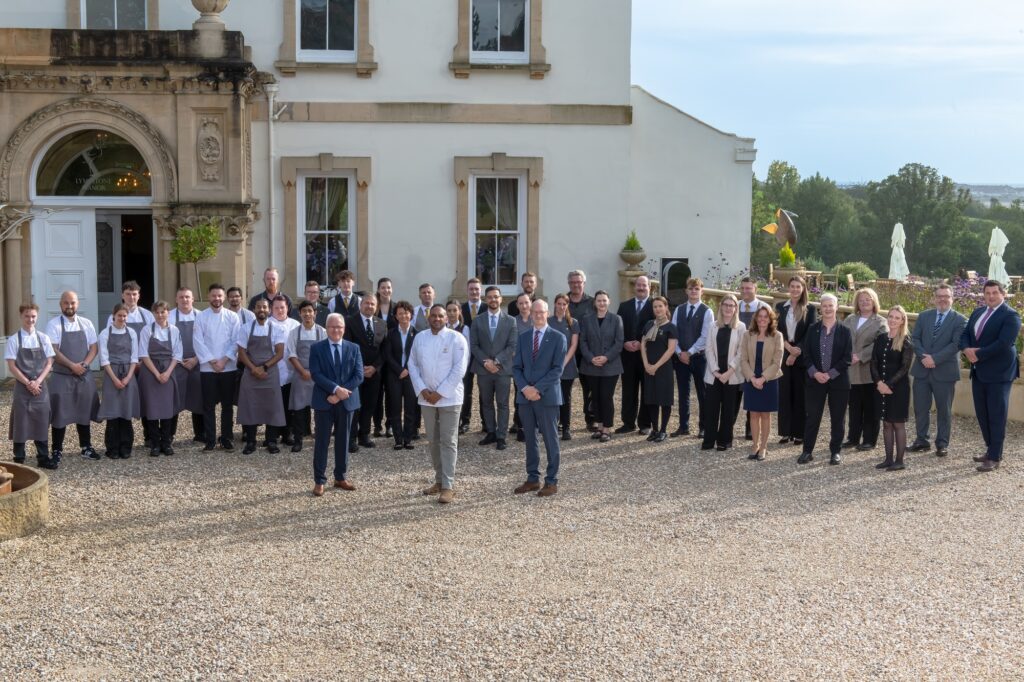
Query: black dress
[(660, 389), (893, 367)]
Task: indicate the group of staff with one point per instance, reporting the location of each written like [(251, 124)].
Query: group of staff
[(365, 360)]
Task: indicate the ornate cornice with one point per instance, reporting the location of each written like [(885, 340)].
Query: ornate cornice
[(235, 220), (245, 82)]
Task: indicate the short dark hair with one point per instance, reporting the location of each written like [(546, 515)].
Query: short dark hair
[(311, 283), (403, 305), (473, 280), (32, 306), (343, 275), (491, 288), (995, 283), (232, 289), (215, 285), (130, 285), (280, 298), (438, 305), (118, 307), (159, 305), (425, 285), (184, 288), (307, 304), (748, 280)]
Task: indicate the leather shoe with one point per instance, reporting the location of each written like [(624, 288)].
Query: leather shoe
[(399, 446), (501, 444), (287, 440), (644, 432), (527, 487), (566, 435), (432, 490), (353, 446), (625, 429), (388, 433), (318, 490), (209, 446), (835, 459), (897, 466), (366, 443), (804, 458), (249, 448), (407, 445), (344, 485), (168, 450), (273, 449), (884, 464), (521, 436), (919, 446), (981, 458), (154, 452), (783, 441), (463, 428), (849, 444), (548, 490), (941, 452), (297, 447), (864, 447), (661, 438), (987, 466), (680, 432), (652, 436), (488, 439), (227, 445), (446, 496)]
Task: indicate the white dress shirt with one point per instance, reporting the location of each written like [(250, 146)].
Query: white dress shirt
[(438, 362), (170, 332), (750, 307), (288, 324), (213, 338), (332, 304), (679, 319), (300, 333), (140, 314), (77, 324), (245, 316), (28, 340), (105, 336)]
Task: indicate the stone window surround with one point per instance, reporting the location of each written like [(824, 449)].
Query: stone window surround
[(465, 168), (76, 18), (537, 66), (291, 168), (289, 64)]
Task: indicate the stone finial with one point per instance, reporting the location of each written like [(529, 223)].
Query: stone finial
[(210, 11)]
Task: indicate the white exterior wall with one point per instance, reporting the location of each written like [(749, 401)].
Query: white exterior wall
[(690, 191)]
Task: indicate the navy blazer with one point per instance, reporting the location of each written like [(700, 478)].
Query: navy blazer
[(842, 353), (544, 373), (326, 377), (997, 349)]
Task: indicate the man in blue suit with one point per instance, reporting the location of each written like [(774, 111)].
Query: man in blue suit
[(337, 369), (989, 342), (540, 355)]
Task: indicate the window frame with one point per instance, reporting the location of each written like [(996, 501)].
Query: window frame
[(327, 55), (464, 62), (487, 57), (302, 232), (289, 62), (521, 227), (148, 23)]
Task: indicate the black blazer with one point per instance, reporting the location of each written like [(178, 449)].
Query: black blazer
[(810, 317), (353, 305), (392, 321), (632, 323), (355, 332), (392, 350), (842, 353)]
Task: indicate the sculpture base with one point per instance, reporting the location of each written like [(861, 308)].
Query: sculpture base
[(27, 508)]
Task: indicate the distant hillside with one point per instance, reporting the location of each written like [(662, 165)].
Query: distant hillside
[(1004, 194)]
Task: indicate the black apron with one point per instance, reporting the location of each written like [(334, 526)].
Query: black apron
[(259, 401), (30, 414), (73, 400), (123, 403)]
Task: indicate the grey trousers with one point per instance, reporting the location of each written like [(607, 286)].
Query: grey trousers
[(442, 425), (494, 388), (925, 390)]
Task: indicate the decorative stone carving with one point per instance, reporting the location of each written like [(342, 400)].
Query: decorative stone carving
[(210, 13), (236, 221), (246, 83), (210, 148)]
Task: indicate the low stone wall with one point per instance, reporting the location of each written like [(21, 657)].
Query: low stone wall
[(27, 509)]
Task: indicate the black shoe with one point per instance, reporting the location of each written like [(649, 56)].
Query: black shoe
[(488, 439), (835, 459), (126, 454), (198, 439), (897, 466), (209, 447), (273, 449), (980, 458), (752, 455), (566, 435), (652, 436), (595, 435), (941, 452), (154, 452), (366, 443), (863, 447), (884, 464), (111, 453), (679, 432), (50, 463), (804, 458), (388, 433), (920, 446), (645, 431), (463, 428), (249, 448), (416, 436), (747, 436), (287, 440), (89, 453), (297, 446), (168, 450), (377, 432), (353, 446), (849, 444), (798, 441), (408, 445), (721, 448), (227, 444), (661, 437), (521, 436), (399, 446), (592, 427), (625, 429), (513, 429), (707, 447), (700, 434), (783, 441), (19, 460), (501, 444)]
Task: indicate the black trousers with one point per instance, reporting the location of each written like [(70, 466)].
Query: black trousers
[(380, 414), (865, 414), (604, 398), (467, 399), (57, 437), (118, 436), (565, 410), (218, 389), (721, 402), (285, 431), (792, 410), (838, 398), (301, 422), (42, 452), (162, 430), (633, 391), (403, 409), (587, 393), (369, 390)]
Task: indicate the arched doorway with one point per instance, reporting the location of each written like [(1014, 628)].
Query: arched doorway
[(102, 233)]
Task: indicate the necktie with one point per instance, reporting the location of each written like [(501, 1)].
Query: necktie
[(938, 323), (337, 358), (981, 325), (346, 301), (473, 310), (536, 343), (494, 325), (689, 312), (369, 331), (639, 305)]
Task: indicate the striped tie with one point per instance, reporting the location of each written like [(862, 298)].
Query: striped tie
[(938, 323), (536, 344)]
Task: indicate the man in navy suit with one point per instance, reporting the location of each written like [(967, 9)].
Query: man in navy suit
[(989, 342), (538, 371), (337, 369)]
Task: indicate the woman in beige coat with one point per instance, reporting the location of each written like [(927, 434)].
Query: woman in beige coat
[(722, 375), (865, 324), (761, 362)]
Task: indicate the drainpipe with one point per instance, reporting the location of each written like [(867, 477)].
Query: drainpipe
[(271, 91)]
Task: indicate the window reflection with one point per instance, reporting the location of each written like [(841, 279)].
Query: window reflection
[(93, 163)]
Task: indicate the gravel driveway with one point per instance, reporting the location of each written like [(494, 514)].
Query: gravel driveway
[(653, 561)]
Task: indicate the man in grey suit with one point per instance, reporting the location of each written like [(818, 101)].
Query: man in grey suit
[(492, 344), (936, 369), (540, 355)]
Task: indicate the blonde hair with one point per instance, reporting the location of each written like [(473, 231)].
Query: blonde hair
[(904, 330), (735, 322), (870, 294)]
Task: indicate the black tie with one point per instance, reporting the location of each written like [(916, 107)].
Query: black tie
[(369, 331), (337, 359), (689, 312)]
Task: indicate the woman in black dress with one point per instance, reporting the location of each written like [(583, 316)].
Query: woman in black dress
[(657, 346), (570, 328), (891, 359), (795, 317)]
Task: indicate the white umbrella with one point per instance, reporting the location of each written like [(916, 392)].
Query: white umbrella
[(898, 268), (996, 266)]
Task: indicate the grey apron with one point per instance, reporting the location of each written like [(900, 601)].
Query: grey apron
[(190, 388), (73, 400), (30, 414), (302, 391), (121, 403), (259, 401), (160, 401)]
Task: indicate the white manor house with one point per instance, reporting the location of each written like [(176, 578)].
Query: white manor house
[(424, 140)]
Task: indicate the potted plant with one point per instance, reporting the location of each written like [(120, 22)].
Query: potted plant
[(632, 252), (195, 244), (788, 266)]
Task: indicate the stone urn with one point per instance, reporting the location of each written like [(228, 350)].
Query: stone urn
[(210, 11), (633, 258)]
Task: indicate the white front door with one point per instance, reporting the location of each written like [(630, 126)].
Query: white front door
[(109, 266), (63, 258)]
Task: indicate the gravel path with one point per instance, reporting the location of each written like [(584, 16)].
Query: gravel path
[(653, 561)]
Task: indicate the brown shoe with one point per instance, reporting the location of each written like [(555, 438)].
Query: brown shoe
[(548, 491), (527, 487), (344, 485), (446, 496), (318, 490), (988, 465), (432, 490), (980, 458)]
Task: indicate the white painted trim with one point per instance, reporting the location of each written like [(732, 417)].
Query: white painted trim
[(506, 289), (145, 16), (326, 56), (487, 57), (300, 225)]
